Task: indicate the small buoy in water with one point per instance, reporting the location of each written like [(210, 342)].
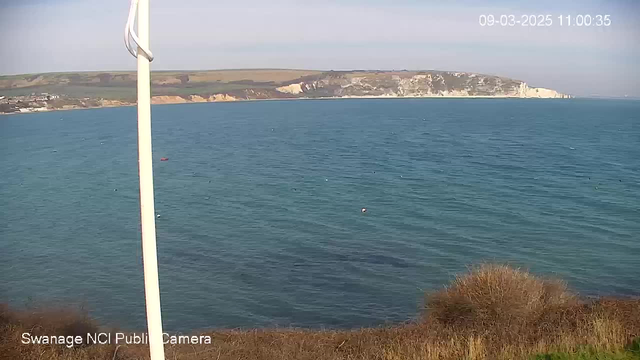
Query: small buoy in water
[(164, 159), (115, 189), (326, 179), (158, 216), (209, 181), (363, 210), (571, 148)]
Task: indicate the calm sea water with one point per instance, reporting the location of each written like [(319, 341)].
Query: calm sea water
[(260, 205)]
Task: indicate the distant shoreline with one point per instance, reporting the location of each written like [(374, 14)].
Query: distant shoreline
[(123, 104), (68, 91)]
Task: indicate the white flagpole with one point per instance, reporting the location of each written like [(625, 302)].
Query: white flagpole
[(145, 169)]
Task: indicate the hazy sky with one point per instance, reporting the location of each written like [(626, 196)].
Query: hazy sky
[(75, 35)]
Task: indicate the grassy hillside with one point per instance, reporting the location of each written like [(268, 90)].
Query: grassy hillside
[(122, 85), (492, 313)]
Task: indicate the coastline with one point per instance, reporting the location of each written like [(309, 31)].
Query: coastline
[(237, 100), (88, 90)]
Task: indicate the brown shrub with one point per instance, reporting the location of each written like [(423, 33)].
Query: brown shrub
[(58, 321), (495, 298), (47, 321)]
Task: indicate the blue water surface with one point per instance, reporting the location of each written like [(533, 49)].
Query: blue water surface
[(260, 205)]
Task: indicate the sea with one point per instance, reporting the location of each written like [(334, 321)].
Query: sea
[(259, 206)]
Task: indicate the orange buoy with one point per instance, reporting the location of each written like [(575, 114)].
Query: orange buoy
[(164, 159)]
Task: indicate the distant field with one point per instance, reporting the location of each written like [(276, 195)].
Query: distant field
[(122, 85), (266, 75), (76, 91)]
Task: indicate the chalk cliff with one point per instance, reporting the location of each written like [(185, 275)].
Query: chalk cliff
[(413, 84)]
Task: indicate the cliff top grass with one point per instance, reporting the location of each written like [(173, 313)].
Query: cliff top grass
[(121, 85), (491, 312)]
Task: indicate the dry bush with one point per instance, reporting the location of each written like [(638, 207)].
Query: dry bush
[(58, 321), (496, 298)]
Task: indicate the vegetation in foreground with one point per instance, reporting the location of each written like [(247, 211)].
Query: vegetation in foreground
[(492, 312)]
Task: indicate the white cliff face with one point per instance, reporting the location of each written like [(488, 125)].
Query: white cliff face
[(385, 85), (525, 91), (291, 89), (415, 84)]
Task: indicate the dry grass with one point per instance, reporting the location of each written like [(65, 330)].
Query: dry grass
[(256, 75), (276, 76), (493, 312), (498, 300)]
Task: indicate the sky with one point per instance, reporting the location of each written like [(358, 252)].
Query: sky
[(87, 35)]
